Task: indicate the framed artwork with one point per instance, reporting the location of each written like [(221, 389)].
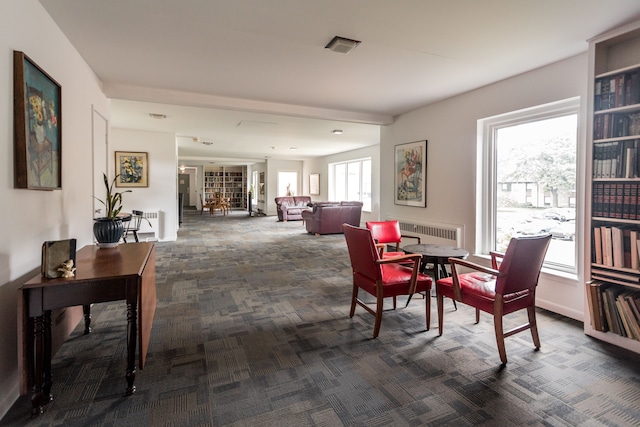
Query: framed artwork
[(133, 168), (411, 174), (314, 184), (37, 122)]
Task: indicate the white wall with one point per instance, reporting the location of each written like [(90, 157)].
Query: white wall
[(321, 166), (162, 193), (36, 216), (450, 127)]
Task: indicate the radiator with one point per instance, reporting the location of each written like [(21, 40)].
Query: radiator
[(149, 231), (433, 232)]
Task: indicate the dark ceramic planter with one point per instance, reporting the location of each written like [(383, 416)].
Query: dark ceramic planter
[(107, 232)]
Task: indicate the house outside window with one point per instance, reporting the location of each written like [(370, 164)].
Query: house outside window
[(351, 181), (528, 168)]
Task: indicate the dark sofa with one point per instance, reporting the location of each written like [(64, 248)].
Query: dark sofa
[(328, 217), (290, 208)]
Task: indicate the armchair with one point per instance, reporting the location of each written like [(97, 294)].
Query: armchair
[(508, 286), (382, 278)]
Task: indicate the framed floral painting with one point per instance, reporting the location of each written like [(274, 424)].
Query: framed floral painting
[(133, 168), (411, 174), (37, 126)]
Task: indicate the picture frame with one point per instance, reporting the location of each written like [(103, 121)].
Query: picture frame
[(410, 172), (37, 121), (133, 168), (314, 184)]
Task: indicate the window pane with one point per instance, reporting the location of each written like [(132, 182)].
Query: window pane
[(341, 181), (353, 181), (536, 184), (366, 185), (287, 183)]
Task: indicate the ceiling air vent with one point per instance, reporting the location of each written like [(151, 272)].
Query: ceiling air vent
[(342, 44)]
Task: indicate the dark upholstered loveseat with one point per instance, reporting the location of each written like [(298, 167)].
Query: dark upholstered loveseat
[(328, 217), (290, 208)]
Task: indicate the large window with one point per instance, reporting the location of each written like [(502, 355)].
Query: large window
[(528, 173), (351, 181)]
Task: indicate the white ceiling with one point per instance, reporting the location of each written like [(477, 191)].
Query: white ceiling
[(209, 65)]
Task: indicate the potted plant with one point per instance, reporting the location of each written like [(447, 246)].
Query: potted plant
[(109, 229)]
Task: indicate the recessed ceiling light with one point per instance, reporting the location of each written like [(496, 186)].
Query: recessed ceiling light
[(293, 148), (337, 131)]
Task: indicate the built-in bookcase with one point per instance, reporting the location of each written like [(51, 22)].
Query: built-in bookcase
[(230, 181), (612, 293)]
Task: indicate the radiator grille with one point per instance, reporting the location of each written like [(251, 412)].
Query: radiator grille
[(428, 230), (149, 231), (434, 232)]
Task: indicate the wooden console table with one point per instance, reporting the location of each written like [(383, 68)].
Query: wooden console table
[(126, 272)]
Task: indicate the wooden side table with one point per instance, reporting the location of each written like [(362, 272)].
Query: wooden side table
[(126, 272)]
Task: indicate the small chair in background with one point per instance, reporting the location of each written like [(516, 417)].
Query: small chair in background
[(388, 233), (133, 225)]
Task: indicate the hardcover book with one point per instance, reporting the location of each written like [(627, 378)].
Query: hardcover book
[(54, 254)]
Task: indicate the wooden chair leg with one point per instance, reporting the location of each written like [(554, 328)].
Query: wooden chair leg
[(394, 302), (477, 315), (427, 302), (379, 307), (440, 300), (354, 298), (497, 323), (531, 311)]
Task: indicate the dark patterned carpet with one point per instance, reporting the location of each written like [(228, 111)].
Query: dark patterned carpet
[(252, 329)]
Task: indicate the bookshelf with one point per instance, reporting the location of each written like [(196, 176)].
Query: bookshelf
[(231, 181), (612, 291)]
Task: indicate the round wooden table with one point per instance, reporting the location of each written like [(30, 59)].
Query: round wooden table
[(437, 255)]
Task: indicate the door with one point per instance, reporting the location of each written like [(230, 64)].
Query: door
[(100, 162), (183, 187)]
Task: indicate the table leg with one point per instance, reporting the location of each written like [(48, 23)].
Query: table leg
[(41, 363), (86, 309), (132, 337), (36, 362), (47, 382)]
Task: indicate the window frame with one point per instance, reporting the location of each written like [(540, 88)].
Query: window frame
[(486, 170)]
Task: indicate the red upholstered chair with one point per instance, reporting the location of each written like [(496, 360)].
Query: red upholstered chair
[(509, 286), (382, 278), (388, 232)]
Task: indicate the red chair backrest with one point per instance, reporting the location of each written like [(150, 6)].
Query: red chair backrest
[(521, 265), (385, 231), (363, 252)]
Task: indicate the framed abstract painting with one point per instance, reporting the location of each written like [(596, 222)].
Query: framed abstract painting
[(37, 122), (410, 171), (133, 168)]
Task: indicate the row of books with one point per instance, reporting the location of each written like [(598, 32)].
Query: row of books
[(616, 125), (617, 91), (614, 308), (616, 159), (616, 247), (618, 200)]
